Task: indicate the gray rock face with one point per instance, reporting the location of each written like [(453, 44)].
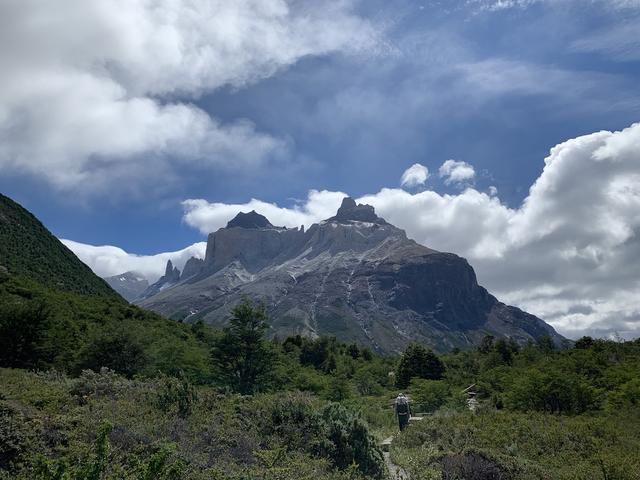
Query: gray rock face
[(129, 284), (192, 268), (354, 276)]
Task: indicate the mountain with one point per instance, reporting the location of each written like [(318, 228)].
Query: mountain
[(129, 285), (28, 249), (56, 313), (353, 275)]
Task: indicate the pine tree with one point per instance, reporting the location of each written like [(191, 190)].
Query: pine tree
[(241, 356)]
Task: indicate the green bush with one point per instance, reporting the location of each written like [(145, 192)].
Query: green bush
[(428, 395), (176, 395), (553, 392), (350, 441)]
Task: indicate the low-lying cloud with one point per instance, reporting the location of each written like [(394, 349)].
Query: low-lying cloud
[(107, 260)]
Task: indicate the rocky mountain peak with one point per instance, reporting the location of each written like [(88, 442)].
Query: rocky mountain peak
[(169, 268), (350, 211), (249, 220), (171, 273)]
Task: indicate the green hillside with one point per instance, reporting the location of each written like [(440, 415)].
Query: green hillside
[(56, 313), (28, 249)]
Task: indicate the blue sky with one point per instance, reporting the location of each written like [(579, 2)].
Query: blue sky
[(343, 97)]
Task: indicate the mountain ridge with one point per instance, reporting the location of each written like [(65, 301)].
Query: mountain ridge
[(354, 276)]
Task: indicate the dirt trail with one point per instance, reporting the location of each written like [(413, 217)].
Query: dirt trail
[(396, 472)]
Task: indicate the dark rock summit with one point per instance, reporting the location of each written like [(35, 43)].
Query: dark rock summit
[(353, 276), (349, 211), (249, 220)]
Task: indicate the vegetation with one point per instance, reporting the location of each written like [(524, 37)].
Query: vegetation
[(94, 388), (241, 358), (28, 249), (418, 362), (544, 414), (105, 426)]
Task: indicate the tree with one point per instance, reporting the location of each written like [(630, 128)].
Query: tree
[(117, 351), (241, 357), (546, 345), (353, 351), (486, 345), (418, 362), (584, 343), (22, 329)]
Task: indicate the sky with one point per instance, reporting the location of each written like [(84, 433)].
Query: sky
[(501, 130)]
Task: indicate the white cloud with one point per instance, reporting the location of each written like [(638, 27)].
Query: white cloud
[(493, 191), (93, 93), (568, 254), (415, 175), (106, 260), (208, 217), (456, 172)]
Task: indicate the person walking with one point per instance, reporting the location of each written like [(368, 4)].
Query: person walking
[(403, 410)]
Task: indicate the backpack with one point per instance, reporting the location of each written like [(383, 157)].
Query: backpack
[(402, 406)]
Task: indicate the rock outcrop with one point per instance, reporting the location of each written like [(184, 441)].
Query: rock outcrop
[(170, 278), (354, 276)]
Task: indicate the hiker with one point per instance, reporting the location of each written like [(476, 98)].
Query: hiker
[(403, 410)]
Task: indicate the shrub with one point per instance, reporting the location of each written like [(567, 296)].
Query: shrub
[(349, 441), (428, 395), (176, 395), (105, 383), (12, 436)]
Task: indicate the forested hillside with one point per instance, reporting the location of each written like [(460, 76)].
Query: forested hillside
[(28, 249)]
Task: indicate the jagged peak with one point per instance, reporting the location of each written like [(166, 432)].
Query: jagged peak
[(251, 219), (169, 269), (351, 211)]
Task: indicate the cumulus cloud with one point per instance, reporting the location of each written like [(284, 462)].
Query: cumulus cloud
[(415, 175), (93, 93), (456, 172), (107, 260), (568, 254)]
